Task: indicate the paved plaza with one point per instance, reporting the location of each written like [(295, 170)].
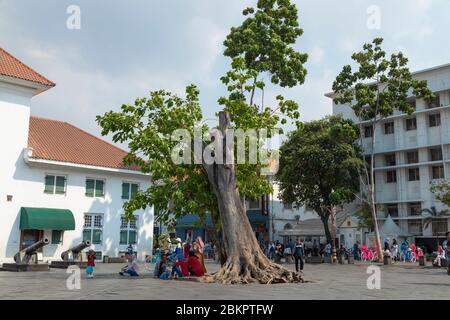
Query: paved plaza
[(324, 281)]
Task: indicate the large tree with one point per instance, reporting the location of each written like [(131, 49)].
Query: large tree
[(320, 165), (261, 46), (375, 90)]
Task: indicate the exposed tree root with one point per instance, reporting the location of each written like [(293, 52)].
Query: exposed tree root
[(269, 273)]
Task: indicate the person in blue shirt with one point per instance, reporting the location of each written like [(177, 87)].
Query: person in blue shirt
[(299, 253)]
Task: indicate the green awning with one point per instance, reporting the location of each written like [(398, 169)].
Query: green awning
[(46, 219)]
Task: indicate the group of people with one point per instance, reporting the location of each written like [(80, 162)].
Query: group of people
[(130, 269), (291, 251), (182, 261)]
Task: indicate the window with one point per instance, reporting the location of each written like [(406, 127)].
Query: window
[(389, 128), (440, 227), (128, 231), (129, 190), (412, 103), (390, 160), (391, 176), (437, 172), (57, 236), (392, 210), (55, 184), (368, 131), (436, 154), (93, 228), (411, 124), (415, 209), (415, 227), (412, 157), (434, 120), (287, 206), (413, 174), (434, 103), (254, 204), (95, 188)]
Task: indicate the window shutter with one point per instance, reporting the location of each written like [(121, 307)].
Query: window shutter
[(97, 237), (60, 185), (125, 191), (90, 187), (49, 184), (87, 234), (123, 236), (99, 188), (134, 190), (132, 239)]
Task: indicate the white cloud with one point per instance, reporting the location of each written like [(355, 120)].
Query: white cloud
[(316, 55)]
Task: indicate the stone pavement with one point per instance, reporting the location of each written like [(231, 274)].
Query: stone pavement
[(402, 281)]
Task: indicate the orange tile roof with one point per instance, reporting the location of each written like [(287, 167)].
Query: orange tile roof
[(12, 67), (63, 142)]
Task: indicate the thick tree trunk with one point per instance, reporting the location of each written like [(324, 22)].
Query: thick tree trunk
[(246, 262)]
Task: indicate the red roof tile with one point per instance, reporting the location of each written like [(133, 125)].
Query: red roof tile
[(61, 141), (12, 67)]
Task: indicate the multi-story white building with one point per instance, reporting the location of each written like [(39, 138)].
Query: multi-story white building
[(411, 152), (59, 182)]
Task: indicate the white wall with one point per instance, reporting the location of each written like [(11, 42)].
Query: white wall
[(26, 185), (14, 122)]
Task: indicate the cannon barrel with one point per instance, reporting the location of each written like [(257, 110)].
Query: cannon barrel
[(36, 246), (76, 249)]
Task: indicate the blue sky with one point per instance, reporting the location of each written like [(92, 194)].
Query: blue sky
[(125, 49)]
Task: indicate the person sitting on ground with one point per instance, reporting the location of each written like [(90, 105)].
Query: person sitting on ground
[(180, 268), (160, 267), (132, 268), (194, 266), (440, 256)]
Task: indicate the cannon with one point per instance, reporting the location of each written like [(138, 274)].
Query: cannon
[(71, 257), (27, 260), (29, 254), (75, 252)]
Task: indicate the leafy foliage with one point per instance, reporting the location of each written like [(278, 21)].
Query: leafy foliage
[(261, 45), (380, 85), (441, 191), (320, 164)]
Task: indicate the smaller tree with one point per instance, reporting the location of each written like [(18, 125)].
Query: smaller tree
[(319, 167), (374, 91)]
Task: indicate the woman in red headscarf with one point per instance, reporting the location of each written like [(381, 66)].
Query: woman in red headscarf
[(198, 250)]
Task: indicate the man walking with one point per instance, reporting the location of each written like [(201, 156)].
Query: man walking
[(299, 252)]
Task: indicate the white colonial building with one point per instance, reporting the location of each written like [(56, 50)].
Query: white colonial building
[(59, 182), (411, 152)]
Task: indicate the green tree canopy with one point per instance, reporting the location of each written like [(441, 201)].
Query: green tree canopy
[(261, 46), (319, 166)]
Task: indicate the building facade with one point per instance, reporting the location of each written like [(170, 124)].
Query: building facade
[(59, 182), (411, 152)]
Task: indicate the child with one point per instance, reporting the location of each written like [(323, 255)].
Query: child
[(90, 263), (132, 268)]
